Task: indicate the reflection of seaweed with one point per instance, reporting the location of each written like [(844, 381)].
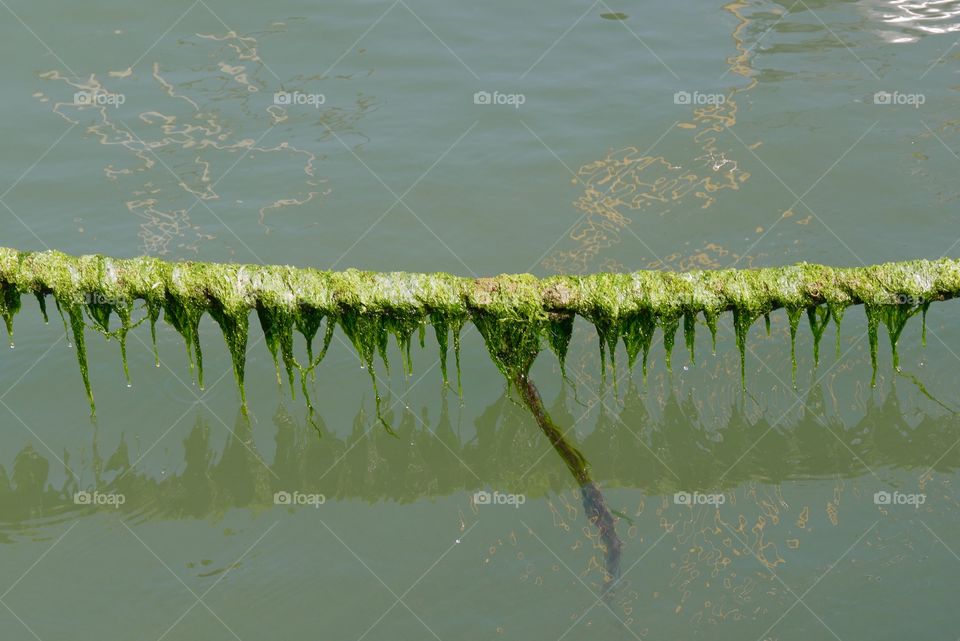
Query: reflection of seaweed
[(371, 465), (430, 459), (207, 119)]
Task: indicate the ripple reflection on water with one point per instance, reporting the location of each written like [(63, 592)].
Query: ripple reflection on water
[(909, 20)]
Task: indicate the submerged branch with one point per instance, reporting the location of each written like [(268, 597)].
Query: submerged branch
[(594, 504)]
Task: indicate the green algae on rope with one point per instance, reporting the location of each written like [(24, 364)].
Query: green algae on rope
[(517, 315)]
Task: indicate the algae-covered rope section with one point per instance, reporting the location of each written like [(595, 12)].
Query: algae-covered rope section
[(517, 315)]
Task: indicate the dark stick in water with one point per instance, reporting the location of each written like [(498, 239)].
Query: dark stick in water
[(593, 502)]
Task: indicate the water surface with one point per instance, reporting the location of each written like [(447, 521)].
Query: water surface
[(672, 136)]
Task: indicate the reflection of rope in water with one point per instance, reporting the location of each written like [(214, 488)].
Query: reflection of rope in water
[(192, 133)]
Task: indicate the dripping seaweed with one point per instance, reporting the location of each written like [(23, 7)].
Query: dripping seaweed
[(307, 322), (670, 323), (441, 330), (368, 336), (690, 334), (818, 318), (42, 302), (742, 321), (184, 317), (75, 314), (637, 331), (559, 333), (517, 315), (836, 312), (793, 317), (277, 325), (235, 328), (10, 304)]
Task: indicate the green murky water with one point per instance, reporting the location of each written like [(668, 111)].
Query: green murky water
[(480, 140)]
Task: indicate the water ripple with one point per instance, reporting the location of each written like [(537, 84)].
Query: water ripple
[(909, 20)]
